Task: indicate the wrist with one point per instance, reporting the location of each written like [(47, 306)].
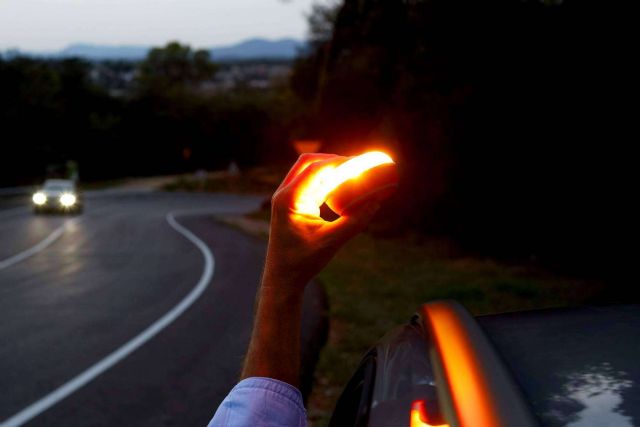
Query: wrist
[(280, 290), (284, 279)]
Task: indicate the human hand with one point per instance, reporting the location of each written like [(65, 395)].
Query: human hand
[(300, 245)]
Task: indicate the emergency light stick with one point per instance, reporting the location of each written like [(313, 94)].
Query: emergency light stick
[(355, 181)]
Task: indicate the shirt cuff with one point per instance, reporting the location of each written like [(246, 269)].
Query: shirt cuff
[(260, 401), (278, 387)]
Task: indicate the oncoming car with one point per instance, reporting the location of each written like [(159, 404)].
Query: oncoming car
[(57, 195), (572, 367)]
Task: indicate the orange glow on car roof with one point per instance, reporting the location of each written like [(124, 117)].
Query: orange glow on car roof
[(471, 399), (330, 178), (418, 416)]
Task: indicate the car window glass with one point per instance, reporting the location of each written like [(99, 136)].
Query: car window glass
[(58, 187)]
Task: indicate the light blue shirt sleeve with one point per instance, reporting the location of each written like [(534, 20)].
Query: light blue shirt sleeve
[(261, 402)]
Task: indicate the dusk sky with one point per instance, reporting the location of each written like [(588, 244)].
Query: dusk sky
[(43, 25)]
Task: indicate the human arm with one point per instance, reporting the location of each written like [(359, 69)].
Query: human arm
[(299, 247)]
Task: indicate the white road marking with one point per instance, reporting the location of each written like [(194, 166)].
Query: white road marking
[(90, 374), (42, 245)]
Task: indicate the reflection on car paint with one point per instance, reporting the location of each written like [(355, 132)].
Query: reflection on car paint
[(595, 395)]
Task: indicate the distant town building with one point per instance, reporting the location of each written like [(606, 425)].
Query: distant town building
[(255, 75), (118, 77)]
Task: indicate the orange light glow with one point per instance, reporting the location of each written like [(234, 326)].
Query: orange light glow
[(418, 416), (471, 399), (316, 193), (307, 146)]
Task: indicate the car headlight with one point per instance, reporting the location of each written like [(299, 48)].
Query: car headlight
[(39, 198), (67, 200)]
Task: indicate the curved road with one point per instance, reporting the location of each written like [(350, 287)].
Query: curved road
[(104, 278)]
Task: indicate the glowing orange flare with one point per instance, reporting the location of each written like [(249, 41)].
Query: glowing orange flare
[(315, 194), (417, 416)]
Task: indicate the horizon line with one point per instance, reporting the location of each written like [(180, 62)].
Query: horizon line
[(149, 46)]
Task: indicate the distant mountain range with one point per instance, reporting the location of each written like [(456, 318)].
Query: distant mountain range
[(248, 49)]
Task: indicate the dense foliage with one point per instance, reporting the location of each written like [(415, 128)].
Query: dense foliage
[(48, 110), (52, 111), (495, 109)]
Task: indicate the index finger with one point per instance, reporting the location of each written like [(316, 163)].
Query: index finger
[(302, 163), (306, 192)]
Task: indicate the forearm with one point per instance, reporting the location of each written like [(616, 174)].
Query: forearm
[(274, 349)]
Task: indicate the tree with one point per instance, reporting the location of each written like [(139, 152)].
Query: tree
[(307, 80), (174, 67), (322, 21)]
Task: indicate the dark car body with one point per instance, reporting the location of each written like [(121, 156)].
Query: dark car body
[(574, 367)]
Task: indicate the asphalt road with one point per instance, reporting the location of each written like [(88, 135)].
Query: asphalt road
[(131, 276)]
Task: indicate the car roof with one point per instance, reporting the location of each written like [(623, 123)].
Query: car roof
[(576, 366)]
